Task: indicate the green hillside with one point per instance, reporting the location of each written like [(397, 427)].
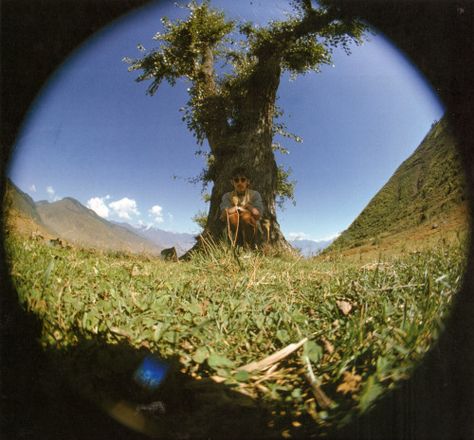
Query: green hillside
[(428, 187)]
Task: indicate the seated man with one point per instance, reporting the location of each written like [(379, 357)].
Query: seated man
[(241, 209)]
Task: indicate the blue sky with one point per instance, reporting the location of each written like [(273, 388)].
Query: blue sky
[(94, 135)]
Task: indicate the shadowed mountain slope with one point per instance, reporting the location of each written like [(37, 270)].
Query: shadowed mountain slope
[(21, 213), (17, 200)]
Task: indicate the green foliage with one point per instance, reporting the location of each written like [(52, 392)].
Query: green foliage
[(200, 219), (279, 128), (182, 45), (313, 351), (372, 390), (187, 49), (224, 309), (285, 186)]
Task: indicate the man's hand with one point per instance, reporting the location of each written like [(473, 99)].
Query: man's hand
[(230, 211), (254, 211), (248, 208)]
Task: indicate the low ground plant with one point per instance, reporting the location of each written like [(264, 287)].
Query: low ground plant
[(363, 328)]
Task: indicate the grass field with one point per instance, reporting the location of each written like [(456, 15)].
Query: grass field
[(367, 326)]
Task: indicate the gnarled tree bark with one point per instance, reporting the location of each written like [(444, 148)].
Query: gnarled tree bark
[(248, 143)]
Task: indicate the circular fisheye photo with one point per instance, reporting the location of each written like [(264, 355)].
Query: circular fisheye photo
[(236, 221)]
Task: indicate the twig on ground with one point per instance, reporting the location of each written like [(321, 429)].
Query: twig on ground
[(272, 359), (323, 400), (117, 331), (269, 362)]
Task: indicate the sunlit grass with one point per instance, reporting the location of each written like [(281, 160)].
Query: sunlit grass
[(223, 309)]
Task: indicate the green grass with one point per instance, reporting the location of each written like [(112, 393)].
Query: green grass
[(223, 310)]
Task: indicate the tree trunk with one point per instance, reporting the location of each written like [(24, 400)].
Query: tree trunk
[(249, 151), (249, 145)]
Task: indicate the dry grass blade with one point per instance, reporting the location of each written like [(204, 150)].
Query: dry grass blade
[(272, 359), (328, 346), (266, 362), (395, 287), (218, 379), (268, 374)]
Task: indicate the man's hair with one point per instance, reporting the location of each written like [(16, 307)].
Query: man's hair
[(239, 172)]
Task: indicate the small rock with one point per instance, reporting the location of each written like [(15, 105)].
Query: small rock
[(169, 254), (344, 306), (55, 242), (153, 409), (135, 271)]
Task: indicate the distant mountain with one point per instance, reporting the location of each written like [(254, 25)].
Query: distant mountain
[(75, 223), (309, 248), (71, 221), (165, 239), (426, 188)]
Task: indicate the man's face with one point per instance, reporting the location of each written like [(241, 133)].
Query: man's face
[(240, 183)]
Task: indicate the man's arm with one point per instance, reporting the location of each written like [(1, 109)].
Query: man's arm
[(256, 205)]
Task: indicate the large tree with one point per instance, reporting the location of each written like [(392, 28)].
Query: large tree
[(234, 71)]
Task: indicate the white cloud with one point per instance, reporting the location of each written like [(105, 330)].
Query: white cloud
[(97, 204), (298, 236), (331, 237), (52, 193), (33, 188), (156, 212), (125, 208), (144, 225), (303, 236)]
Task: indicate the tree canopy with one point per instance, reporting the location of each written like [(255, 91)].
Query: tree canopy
[(219, 97)]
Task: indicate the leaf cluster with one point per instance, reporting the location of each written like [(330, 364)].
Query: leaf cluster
[(181, 46)]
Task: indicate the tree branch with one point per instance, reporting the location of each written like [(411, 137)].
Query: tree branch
[(292, 45), (307, 5), (285, 36), (214, 119), (206, 71)]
